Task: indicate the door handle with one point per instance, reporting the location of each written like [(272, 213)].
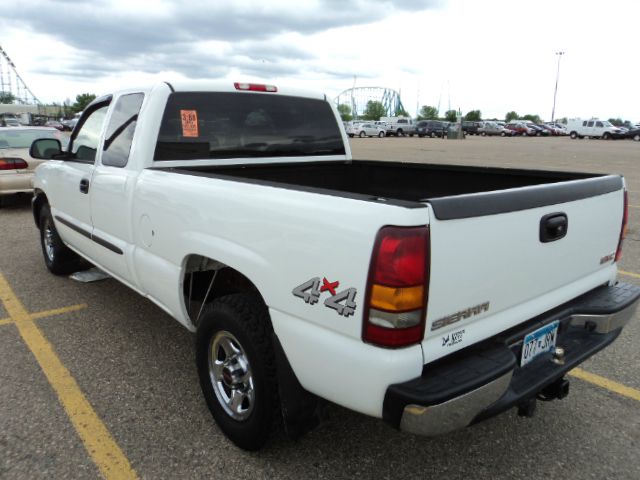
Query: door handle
[(84, 185), (553, 227)]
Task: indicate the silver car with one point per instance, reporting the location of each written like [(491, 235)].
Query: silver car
[(368, 130), (16, 165)]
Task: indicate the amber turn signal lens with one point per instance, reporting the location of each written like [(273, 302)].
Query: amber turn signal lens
[(393, 299)]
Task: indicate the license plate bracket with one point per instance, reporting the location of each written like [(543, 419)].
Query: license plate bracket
[(538, 342)]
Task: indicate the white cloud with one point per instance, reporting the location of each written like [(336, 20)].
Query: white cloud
[(491, 55)]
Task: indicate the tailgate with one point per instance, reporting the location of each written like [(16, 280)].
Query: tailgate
[(492, 271)]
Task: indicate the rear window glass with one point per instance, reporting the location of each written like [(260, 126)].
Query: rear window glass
[(200, 125), (23, 138)]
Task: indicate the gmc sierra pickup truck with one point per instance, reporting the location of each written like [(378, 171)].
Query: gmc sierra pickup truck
[(430, 296)]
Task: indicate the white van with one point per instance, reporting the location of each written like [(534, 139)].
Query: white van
[(594, 128)]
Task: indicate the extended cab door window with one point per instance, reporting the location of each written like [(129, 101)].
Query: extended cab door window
[(122, 126), (84, 145)]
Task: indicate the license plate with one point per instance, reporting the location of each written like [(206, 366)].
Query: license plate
[(541, 341)]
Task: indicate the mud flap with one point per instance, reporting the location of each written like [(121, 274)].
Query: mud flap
[(300, 408)]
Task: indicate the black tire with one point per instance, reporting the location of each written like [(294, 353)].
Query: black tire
[(399, 133), (606, 136), (484, 134), (636, 137), (503, 134), (362, 134), (573, 135), (433, 134), (245, 317), (380, 134), (59, 259)]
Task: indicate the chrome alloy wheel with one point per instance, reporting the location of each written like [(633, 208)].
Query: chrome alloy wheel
[(231, 376), (48, 241)]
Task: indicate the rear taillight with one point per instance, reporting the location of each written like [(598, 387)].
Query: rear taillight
[(625, 226), (13, 164), (255, 87), (397, 288)]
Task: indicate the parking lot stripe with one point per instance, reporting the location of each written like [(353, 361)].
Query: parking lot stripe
[(99, 443), (606, 383), (629, 274), (48, 313), (58, 311)]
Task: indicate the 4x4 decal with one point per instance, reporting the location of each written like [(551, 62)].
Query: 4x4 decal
[(343, 302)]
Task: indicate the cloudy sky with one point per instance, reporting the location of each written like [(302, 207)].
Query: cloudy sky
[(492, 55)]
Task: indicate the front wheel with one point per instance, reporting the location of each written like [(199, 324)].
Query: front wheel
[(636, 137), (606, 136), (573, 135), (380, 134), (59, 259), (237, 370), (399, 133), (362, 134)]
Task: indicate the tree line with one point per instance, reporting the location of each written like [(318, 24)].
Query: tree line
[(66, 109), (375, 110)]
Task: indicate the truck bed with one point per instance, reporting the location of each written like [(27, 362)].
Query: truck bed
[(453, 191)]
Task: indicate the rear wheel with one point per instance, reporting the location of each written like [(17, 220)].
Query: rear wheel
[(380, 134), (362, 134), (399, 133), (237, 370)]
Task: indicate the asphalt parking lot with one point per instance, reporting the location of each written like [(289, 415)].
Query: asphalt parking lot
[(143, 414)]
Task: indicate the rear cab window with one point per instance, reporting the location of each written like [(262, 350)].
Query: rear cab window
[(210, 125)]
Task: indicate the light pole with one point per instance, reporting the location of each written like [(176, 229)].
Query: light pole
[(555, 92)]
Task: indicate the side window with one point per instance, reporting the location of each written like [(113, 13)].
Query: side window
[(589, 124), (122, 126), (584, 124), (599, 124), (85, 143)]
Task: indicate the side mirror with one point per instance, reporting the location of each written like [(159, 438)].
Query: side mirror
[(45, 148)]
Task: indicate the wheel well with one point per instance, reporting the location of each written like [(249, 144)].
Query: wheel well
[(205, 279), (39, 200)]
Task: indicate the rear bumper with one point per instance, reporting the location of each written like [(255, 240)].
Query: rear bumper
[(16, 182), (484, 380)]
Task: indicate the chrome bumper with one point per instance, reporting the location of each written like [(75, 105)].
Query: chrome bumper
[(465, 409)]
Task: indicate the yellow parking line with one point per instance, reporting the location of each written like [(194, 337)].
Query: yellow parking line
[(58, 311), (100, 445), (629, 274), (606, 383), (48, 313)]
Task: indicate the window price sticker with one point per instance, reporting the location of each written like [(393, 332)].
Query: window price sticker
[(189, 123)]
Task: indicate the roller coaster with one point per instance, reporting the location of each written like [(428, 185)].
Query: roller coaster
[(358, 97), (11, 83)]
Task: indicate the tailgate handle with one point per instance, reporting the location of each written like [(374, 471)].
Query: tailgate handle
[(553, 227)]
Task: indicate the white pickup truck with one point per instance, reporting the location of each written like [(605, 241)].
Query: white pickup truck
[(430, 296)]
